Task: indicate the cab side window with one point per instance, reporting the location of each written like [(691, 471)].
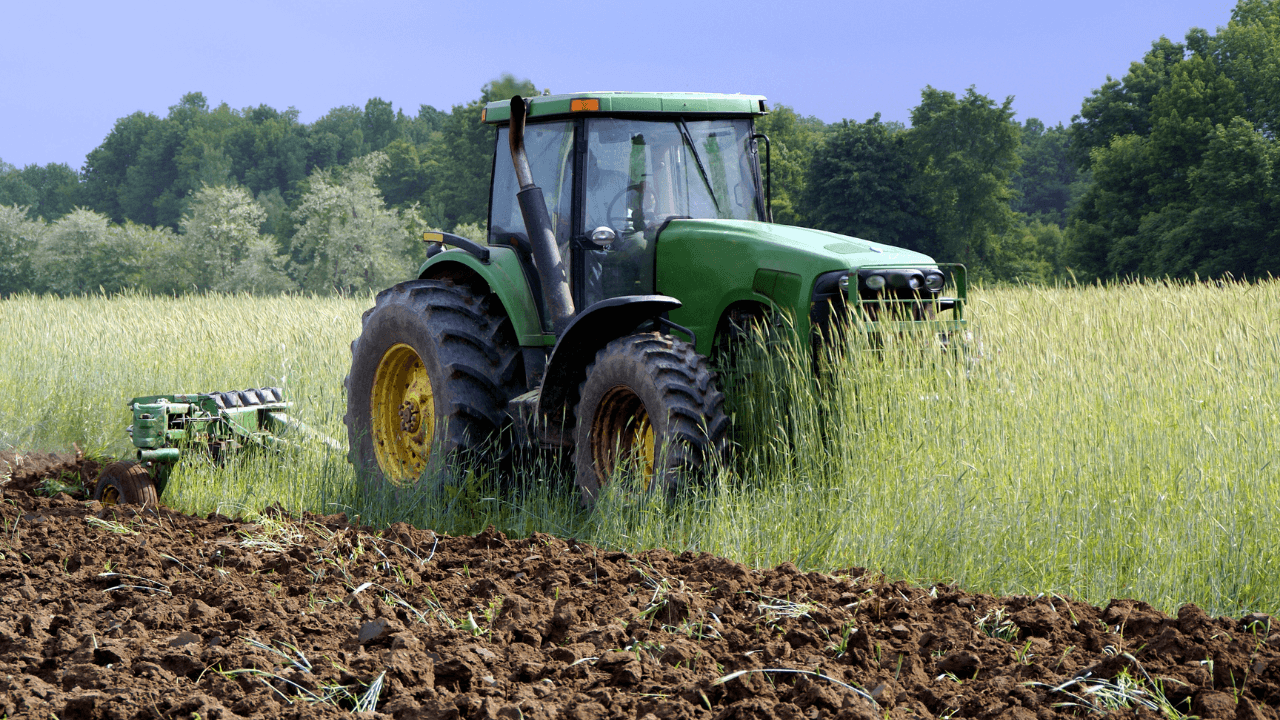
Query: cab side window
[(550, 150)]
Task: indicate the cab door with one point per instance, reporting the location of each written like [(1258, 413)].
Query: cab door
[(618, 193)]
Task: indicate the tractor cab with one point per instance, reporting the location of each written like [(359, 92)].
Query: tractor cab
[(613, 183)]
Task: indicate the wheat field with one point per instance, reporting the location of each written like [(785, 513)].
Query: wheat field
[(1094, 442)]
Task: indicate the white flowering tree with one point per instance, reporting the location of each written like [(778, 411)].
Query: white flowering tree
[(347, 239), (222, 232), (19, 238), (78, 254)]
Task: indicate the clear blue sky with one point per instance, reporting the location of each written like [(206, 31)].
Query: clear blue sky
[(68, 70)]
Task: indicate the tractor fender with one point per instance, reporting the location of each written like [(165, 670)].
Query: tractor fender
[(589, 332), (506, 278)]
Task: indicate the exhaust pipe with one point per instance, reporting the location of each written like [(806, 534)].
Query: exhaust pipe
[(546, 254)]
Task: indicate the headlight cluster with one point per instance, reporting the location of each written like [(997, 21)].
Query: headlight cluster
[(898, 280)]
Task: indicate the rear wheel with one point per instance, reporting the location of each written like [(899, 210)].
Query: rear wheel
[(126, 482), (649, 405), (431, 374)]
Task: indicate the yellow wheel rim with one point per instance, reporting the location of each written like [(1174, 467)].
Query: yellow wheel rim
[(110, 496), (622, 436), (403, 413)]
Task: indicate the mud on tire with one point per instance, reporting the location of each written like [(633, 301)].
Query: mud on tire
[(652, 401), (453, 340)]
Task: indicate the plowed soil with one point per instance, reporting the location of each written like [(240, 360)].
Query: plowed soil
[(124, 612)]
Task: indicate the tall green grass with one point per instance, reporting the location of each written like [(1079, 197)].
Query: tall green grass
[(69, 366), (1098, 442)]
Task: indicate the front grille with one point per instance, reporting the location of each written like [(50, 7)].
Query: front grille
[(902, 300)]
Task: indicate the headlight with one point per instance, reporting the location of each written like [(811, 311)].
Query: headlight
[(906, 279), (934, 281), (875, 282)]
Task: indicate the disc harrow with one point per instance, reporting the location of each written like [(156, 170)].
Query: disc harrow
[(215, 423)]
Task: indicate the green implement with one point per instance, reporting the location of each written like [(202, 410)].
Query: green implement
[(165, 426)]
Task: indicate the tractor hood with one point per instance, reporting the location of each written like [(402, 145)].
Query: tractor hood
[(816, 246), (713, 265)]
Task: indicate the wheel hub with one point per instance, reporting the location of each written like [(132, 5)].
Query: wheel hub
[(623, 437), (402, 414), (410, 418)]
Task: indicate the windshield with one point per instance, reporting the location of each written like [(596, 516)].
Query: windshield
[(639, 173)]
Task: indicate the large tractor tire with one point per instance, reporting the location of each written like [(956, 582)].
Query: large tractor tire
[(431, 374), (126, 482), (649, 405)]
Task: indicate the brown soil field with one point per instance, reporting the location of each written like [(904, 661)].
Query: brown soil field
[(126, 612)]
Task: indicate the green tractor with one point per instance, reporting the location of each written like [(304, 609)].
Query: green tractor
[(630, 235)]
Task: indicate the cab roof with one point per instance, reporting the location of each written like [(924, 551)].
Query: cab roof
[(499, 111)]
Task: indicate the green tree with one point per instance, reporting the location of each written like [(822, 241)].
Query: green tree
[(15, 190), (863, 182), (1190, 191), (459, 164), (794, 139), (1029, 252), (206, 157), (1183, 115), (336, 138), (463, 161), (148, 169), (505, 87), (57, 188), (107, 166), (404, 180), (270, 150), (1104, 226), (1047, 183), (1236, 220), (379, 124), (1250, 54), (1123, 107), (966, 150), (277, 222), (427, 122), (150, 194)]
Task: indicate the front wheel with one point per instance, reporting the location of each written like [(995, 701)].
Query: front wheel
[(649, 405)]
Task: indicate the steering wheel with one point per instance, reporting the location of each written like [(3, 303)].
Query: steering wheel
[(617, 221)]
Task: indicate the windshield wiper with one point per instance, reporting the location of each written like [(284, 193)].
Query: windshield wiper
[(697, 159)]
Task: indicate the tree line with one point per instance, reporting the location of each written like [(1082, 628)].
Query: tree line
[(249, 200), (1167, 171)]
